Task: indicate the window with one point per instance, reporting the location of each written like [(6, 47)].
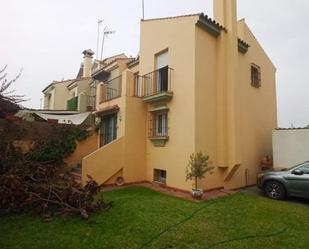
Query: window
[(305, 168), (159, 176), (162, 60), (255, 76), (158, 124), (161, 73), (108, 129)]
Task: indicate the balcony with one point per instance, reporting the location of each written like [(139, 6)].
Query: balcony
[(113, 89), (154, 86), (72, 104)]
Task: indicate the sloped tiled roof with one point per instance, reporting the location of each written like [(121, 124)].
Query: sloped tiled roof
[(291, 129), (212, 21), (243, 46), (171, 17), (210, 25), (111, 59), (204, 22), (133, 62), (87, 80), (58, 82)]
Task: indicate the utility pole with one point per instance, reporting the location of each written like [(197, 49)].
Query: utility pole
[(143, 9), (106, 32), (98, 37)]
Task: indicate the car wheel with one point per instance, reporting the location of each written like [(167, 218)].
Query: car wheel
[(274, 190)]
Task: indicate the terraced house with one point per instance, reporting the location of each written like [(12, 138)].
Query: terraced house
[(197, 85)]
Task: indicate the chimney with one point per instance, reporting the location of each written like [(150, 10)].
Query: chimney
[(87, 62), (225, 12)]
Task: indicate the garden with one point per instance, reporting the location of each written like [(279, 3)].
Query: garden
[(143, 218)]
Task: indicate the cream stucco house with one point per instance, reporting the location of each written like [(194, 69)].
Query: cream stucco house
[(198, 85), (76, 94)]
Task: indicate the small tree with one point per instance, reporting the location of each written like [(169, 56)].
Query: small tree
[(6, 93), (198, 166), (9, 101)]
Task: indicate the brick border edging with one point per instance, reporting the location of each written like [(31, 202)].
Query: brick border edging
[(242, 188), (163, 186)]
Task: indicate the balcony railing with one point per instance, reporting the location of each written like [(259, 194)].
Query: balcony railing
[(153, 83), (113, 89)]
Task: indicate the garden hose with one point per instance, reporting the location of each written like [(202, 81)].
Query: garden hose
[(171, 227), (246, 237)]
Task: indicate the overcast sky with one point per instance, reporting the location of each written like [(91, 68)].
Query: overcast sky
[(46, 38)]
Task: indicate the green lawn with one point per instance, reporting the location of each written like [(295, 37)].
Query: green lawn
[(142, 218)]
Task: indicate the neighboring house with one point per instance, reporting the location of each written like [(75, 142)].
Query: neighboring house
[(77, 94), (197, 85), (290, 146), (56, 95), (74, 94)]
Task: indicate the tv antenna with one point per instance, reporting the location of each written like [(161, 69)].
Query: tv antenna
[(106, 33), (100, 21)]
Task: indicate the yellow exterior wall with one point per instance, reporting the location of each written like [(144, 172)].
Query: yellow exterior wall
[(178, 36), (257, 116), (104, 162), (206, 104), (135, 133), (125, 156), (60, 97), (83, 149), (214, 108)]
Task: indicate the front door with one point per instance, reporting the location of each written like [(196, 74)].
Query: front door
[(108, 129)]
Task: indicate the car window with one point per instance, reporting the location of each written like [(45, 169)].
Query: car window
[(305, 168)]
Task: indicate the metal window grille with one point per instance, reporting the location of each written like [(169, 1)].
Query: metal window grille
[(158, 124), (255, 76)]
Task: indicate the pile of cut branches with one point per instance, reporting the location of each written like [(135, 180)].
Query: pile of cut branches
[(46, 189)]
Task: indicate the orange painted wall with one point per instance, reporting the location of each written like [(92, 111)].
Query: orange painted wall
[(83, 149)]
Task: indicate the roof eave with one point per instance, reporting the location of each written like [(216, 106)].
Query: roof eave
[(100, 75), (243, 47), (209, 25)]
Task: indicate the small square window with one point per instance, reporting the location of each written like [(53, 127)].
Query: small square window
[(159, 176), (255, 76)]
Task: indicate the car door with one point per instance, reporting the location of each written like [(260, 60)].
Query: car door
[(298, 185)]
